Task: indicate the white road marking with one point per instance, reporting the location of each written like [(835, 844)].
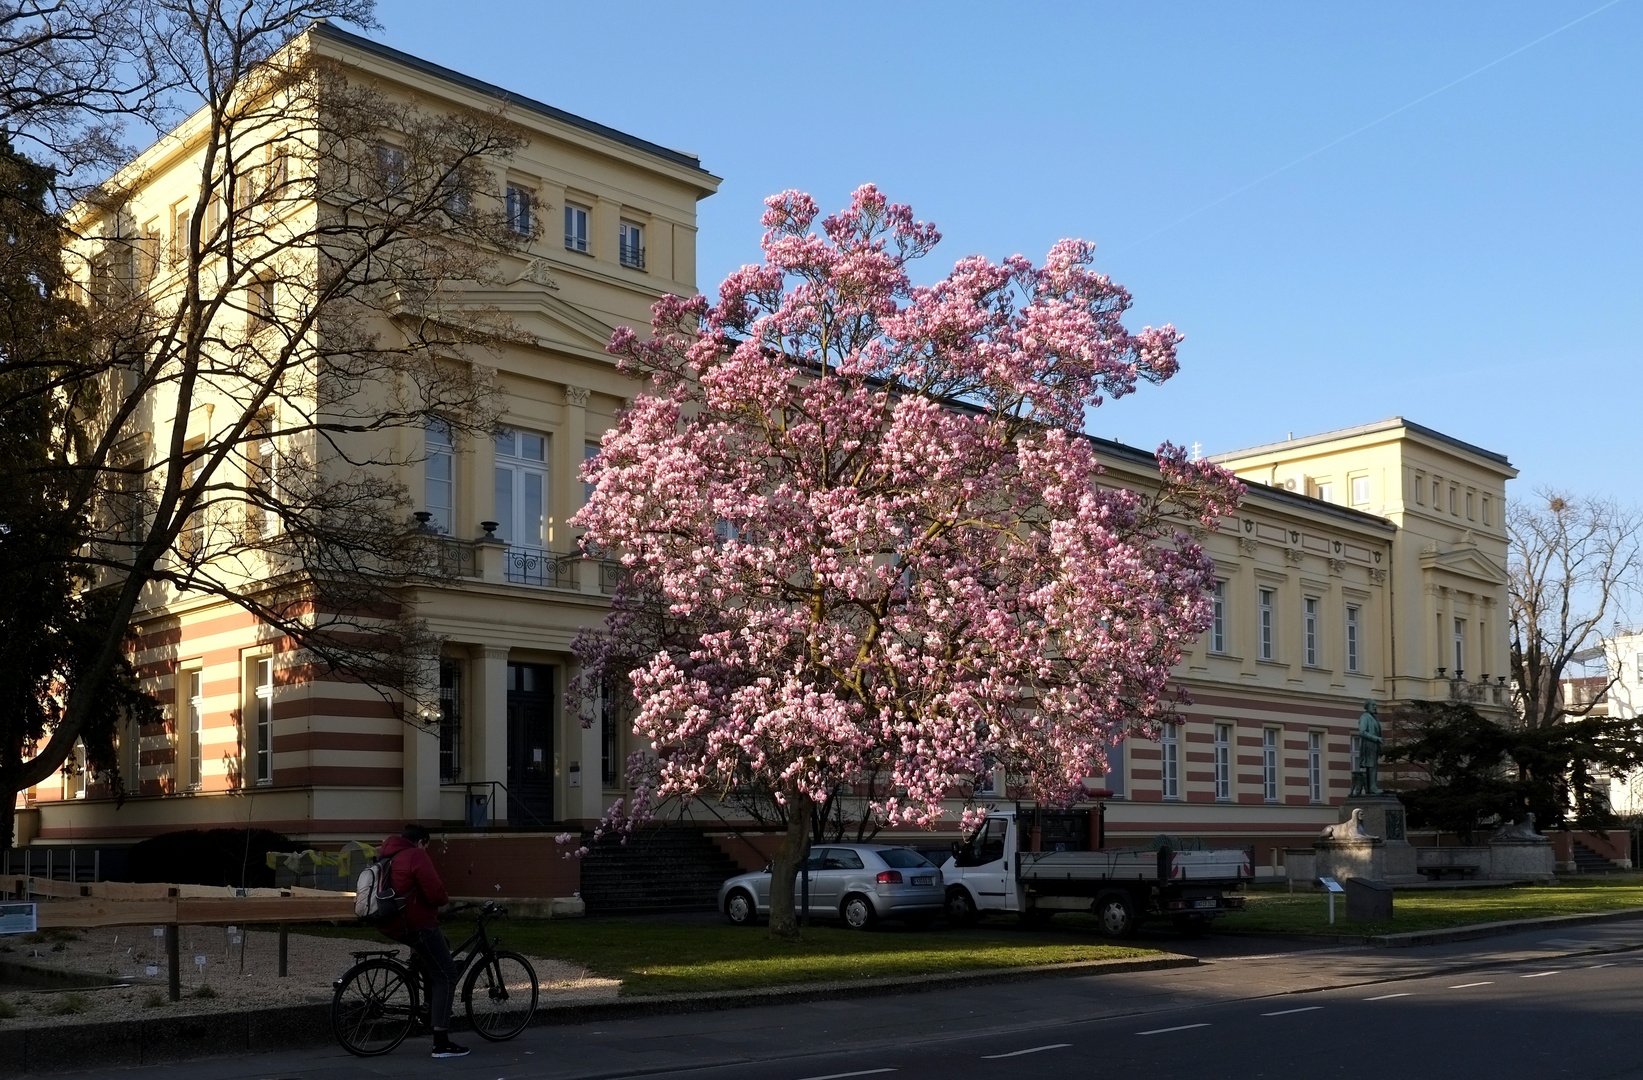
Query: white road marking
[(1385, 997), (841, 1076), (1594, 967), (1463, 986), (1538, 975), (1166, 1031), (1018, 1053), (1289, 1012)]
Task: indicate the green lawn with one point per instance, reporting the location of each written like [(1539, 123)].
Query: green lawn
[(1414, 909), (678, 957)]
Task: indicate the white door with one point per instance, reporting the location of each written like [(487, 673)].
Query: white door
[(985, 865)]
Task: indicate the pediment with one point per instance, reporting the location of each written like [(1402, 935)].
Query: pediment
[(539, 313), (1464, 561)]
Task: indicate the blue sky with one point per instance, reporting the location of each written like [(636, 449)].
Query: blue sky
[(1471, 262)]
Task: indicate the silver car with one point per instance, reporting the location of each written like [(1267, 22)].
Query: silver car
[(858, 883)]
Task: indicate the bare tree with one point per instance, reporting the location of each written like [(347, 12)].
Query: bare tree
[(231, 430), (1574, 566)]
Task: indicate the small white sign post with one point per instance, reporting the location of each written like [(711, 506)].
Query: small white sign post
[(1332, 887)]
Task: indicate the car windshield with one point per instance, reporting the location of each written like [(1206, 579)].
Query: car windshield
[(904, 858)]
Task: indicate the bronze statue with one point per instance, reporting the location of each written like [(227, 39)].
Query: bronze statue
[(1366, 778)]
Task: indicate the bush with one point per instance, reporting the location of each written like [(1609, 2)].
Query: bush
[(155, 1000), (7, 1009), (70, 1005), (233, 857)]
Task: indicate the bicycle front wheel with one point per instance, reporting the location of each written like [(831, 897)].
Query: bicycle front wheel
[(500, 996), (373, 1008)]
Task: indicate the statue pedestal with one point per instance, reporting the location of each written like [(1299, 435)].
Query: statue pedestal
[(1519, 859), (1342, 859), (1384, 819)]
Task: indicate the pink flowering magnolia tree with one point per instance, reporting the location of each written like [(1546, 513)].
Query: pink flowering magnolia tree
[(867, 546)]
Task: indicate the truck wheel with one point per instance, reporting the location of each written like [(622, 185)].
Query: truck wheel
[(739, 908), (1114, 914), (961, 907), (858, 913), (1192, 925)]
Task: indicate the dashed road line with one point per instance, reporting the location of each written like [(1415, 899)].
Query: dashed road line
[(1463, 986), (841, 1076), (1537, 975), (1291, 1012), (1159, 1031), (1594, 967), (1029, 1050), (1384, 997)]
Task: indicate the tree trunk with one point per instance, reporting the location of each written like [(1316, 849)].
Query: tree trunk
[(784, 869)]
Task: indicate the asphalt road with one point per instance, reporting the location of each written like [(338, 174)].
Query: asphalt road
[(1534, 1005)]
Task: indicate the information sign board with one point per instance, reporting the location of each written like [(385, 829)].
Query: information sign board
[(17, 919)]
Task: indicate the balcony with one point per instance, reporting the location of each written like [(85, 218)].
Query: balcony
[(632, 255), (538, 566)]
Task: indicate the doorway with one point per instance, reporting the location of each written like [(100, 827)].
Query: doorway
[(530, 744)]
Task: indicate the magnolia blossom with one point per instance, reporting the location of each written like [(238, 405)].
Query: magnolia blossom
[(866, 544)]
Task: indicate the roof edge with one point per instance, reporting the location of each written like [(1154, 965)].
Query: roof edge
[(1388, 424), (325, 29)]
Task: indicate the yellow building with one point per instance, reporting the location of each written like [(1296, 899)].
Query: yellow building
[(251, 739)]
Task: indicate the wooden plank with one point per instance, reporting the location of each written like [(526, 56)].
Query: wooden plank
[(48, 887), (90, 912), (130, 890)]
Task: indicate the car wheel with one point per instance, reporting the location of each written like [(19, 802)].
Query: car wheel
[(961, 907), (739, 908), (858, 913), (1115, 914)]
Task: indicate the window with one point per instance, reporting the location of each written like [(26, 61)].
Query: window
[(391, 171), (631, 244), (1468, 506), (279, 172), (196, 732), (522, 488), (1352, 637), (81, 766), (576, 227), (1266, 624), (1325, 491), (1437, 486), (1360, 490), (1315, 766), (439, 472), (1460, 646), (1357, 749), (1171, 750), (1218, 621), (1639, 667), (519, 210), (213, 220), (1420, 489), (1454, 500), (450, 721), (191, 540), (610, 754), (1223, 762), (1113, 781), (180, 215), (262, 710), (1269, 764), (260, 518), (1486, 515), (589, 452), (259, 304), (1311, 632)]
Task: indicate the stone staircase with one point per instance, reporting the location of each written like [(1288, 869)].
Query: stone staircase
[(660, 869), (1588, 861)]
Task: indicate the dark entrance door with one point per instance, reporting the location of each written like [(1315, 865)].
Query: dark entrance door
[(530, 744)]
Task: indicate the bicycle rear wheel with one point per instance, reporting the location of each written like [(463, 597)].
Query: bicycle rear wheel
[(373, 1008), (500, 996)]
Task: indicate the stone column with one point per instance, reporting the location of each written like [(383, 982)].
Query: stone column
[(419, 768), (582, 743), (567, 453), (488, 738)]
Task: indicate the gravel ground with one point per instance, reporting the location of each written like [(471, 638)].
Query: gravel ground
[(238, 973)]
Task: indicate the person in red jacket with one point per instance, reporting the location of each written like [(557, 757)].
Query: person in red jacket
[(412, 875)]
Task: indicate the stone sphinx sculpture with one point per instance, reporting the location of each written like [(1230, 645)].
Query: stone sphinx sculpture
[(1349, 830), (1520, 831)]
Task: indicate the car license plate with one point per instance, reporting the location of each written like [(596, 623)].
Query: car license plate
[(1203, 903), (925, 880)]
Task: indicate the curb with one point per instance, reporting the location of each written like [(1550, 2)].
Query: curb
[(60, 1048), (1495, 929)]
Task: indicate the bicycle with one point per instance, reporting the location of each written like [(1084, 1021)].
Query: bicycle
[(381, 999)]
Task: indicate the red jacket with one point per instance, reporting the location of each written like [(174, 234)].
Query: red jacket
[(413, 876)]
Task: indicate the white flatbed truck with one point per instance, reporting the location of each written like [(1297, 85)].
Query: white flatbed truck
[(998, 870)]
